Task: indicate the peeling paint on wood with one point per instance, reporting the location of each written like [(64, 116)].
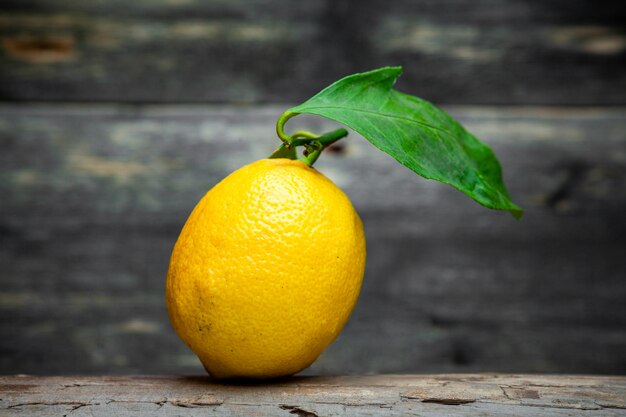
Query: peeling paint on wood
[(390, 395)]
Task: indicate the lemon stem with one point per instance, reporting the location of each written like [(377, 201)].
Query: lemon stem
[(313, 144), (304, 134), (280, 127), (313, 149)]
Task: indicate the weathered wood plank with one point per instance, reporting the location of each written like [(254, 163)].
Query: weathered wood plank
[(454, 51), (93, 197), (390, 395)]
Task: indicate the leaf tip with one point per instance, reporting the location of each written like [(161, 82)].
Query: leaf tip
[(517, 213)]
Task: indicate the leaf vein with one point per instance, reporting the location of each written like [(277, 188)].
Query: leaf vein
[(389, 115)]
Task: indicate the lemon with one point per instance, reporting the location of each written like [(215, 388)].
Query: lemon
[(266, 270)]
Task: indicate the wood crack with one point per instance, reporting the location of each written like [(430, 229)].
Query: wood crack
[(448, 401), (75, 404), (294, 409), (194, 403), (613, 406)]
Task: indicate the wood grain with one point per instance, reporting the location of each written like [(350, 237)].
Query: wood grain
[(93, 197), (389, 395), (454, 51)]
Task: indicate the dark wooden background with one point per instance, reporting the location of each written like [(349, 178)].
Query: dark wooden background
[(117, 116)]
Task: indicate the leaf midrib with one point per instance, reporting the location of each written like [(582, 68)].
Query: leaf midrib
[(389, 115)]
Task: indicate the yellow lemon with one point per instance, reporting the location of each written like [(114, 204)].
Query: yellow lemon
[(266, 270)]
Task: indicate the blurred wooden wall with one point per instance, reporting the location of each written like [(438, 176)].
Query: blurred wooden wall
[(117, 116)]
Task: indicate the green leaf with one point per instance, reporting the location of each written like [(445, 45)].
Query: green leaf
[(417, 134)]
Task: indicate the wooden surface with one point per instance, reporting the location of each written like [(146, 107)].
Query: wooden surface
[(388, 395), (454, 51), (94, 197)]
